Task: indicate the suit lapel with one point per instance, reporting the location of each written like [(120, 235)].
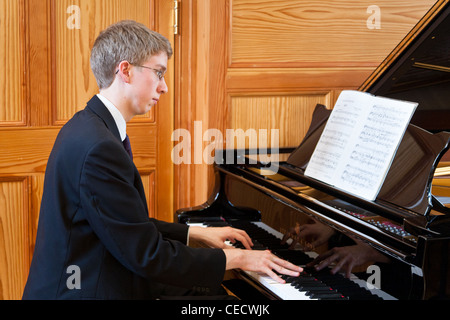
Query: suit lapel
[(96, 105)]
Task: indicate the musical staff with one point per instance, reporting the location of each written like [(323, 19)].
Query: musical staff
[(359, 142)]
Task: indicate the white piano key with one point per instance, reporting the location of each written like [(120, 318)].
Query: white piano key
[(282, 290), (196, 224)]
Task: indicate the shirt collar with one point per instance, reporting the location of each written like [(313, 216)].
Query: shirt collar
[(118, 118)]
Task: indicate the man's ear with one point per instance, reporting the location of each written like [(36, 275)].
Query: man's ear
[(123, 71)]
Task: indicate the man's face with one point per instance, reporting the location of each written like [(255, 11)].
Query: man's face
[(147, 87)]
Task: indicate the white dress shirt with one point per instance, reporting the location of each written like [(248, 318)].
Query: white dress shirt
[(118, 118)]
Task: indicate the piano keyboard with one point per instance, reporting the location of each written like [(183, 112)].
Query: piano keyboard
[(311, 284)]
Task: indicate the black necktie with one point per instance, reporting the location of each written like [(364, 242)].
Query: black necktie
[(127, 146)]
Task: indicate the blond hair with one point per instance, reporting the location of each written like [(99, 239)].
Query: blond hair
[(124, 40)]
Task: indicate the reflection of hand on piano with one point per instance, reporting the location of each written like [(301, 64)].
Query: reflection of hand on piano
[(308, 235), (261, 261), (216, 237), (348, 257)]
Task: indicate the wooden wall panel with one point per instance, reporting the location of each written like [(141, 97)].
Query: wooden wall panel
[(289, 47), (36, 190), (14, 246), (11, 57), (148, 180), (276, 111), (332, 33), (75, 83), (294, 79), (144, 144), (26, 149)]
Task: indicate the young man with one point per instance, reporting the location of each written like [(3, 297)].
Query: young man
[(94, 222)]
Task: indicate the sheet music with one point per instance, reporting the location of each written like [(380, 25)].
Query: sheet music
[(359, 142)]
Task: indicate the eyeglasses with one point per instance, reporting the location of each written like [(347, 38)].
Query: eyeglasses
[(159, 73)]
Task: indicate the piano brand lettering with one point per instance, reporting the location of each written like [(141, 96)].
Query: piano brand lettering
[(74, 280), (235, 143)]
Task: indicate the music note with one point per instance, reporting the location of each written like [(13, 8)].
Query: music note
[(359, 142)]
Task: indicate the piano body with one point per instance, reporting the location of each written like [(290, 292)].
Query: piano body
[(408, 222)]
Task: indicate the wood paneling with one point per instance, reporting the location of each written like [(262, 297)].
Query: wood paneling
[(39, 63), (75, 82), (292, 79), (148, 180), (279, 111), (27, 149), (326, 33), (11, 57), (14, 236)]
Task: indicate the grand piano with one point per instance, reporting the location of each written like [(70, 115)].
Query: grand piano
[(408, 222)]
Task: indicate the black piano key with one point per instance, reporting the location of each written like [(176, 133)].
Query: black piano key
[(341, 297), (323, 296), (345, 286), (324, 289), (313, 287), (296, 257), (217, 224)]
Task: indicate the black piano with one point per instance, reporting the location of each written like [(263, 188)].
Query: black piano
[(408, 222)]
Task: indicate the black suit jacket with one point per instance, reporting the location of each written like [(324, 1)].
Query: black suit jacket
[(94, 216)]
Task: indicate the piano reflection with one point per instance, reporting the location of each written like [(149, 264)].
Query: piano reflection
[(404, 233)]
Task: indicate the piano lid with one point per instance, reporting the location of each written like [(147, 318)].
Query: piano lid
[(408, 182), (418, 69)]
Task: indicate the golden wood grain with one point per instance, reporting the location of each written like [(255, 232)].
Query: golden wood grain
[(11, 41), (277, 112), (278, 79), (27, 149), (75, 82), (332, 33), (148, 180), (14, 247)]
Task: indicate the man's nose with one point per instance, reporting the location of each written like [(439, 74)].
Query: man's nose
[(162, 86)]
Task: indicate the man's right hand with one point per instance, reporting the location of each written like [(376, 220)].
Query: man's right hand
[(261, 261)]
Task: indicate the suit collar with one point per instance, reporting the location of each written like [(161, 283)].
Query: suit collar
[(117, 116), (96, 105)]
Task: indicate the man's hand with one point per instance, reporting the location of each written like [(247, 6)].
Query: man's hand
[(346, 258), (250, 260), (216, 237), (309, 235), (261, 261)]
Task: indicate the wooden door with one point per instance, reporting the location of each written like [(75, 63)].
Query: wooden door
[(46, 78)]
